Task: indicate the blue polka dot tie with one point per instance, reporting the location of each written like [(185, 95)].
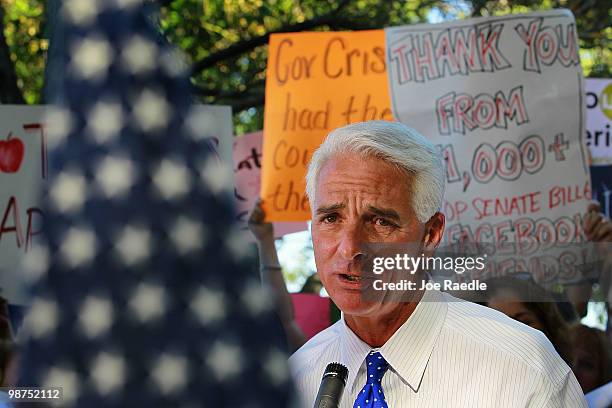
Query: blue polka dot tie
[(371, 396)]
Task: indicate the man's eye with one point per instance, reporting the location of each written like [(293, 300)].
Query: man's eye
[(381, 222), (329, 219)]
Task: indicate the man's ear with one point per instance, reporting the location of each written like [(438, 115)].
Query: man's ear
[(434, 230)]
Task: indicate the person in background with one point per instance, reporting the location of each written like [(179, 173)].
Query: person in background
[(506, 294), (591, 357), (598, 229), (272, 276), (509, 294)]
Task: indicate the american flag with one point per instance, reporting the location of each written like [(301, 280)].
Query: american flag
[(143, 291)]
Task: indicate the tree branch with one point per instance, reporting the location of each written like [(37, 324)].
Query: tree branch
[(477, 7), (583, 7), (350, 24), (202, 91), (244, 103), (243, 46)]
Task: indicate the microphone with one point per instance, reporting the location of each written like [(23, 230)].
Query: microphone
[(332, 386)]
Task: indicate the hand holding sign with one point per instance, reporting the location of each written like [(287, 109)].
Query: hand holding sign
[(597, 227), (261, 229)]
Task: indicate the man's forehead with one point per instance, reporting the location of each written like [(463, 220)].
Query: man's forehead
[(384, 180), (375, 204), (339, 187), (350, 164), (353, 160), (369, 179)]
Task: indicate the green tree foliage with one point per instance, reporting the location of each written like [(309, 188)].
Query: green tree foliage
[(23, 29), (226, 40), (9, 92)]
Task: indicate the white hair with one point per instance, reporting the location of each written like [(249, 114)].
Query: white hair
[(396, 144)]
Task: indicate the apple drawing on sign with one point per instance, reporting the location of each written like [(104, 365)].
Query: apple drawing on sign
[(11, 154)]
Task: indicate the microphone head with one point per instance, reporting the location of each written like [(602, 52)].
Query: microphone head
[(332, 386), (336, 370)]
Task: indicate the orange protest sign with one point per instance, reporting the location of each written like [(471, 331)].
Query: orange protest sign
[(315, 82)]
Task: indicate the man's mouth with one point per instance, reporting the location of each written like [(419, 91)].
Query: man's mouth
[(351, 278)]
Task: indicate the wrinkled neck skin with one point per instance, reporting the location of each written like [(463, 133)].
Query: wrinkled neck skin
[(376, 330)]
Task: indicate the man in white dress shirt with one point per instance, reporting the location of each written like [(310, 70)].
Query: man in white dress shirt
[(383, 182)]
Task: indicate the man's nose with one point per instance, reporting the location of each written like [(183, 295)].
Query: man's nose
[(351, 243)]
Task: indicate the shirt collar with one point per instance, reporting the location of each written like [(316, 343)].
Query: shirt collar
[(353, 352), (409, 349)]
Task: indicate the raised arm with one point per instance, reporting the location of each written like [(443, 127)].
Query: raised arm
[(272, 277)]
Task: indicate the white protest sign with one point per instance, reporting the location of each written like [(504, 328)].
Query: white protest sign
[(502, 97), (23, 167), (598, 119), (247, 174), (213, 123)]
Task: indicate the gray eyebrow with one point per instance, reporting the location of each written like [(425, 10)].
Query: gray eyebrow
[(326, 209), (384, 212)]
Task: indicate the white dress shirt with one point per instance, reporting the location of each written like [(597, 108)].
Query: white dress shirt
[(449, 353)]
